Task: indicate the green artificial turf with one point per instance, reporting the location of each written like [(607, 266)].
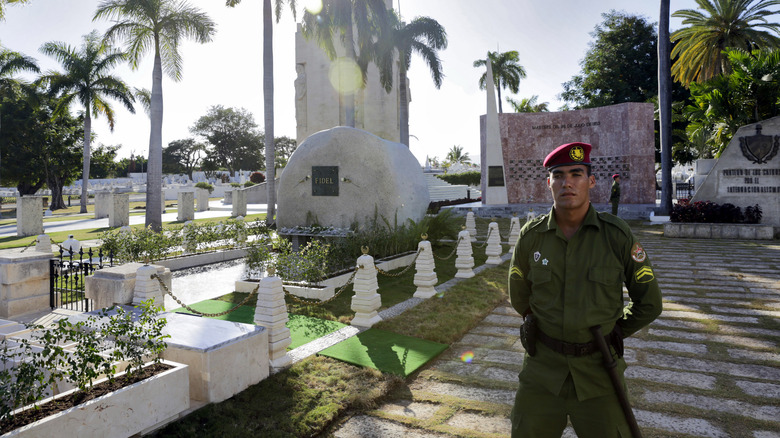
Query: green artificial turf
[(303, 329), (385, 351)]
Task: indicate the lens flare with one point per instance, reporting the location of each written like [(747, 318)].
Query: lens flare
[(345, 76), (313, 6), (467, 357)]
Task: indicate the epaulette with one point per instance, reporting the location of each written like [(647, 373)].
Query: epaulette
[(616, 221), (533, 223)]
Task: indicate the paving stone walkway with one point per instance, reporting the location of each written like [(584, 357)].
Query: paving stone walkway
[(708, 367)]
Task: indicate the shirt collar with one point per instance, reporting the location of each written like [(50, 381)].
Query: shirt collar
[(591, 219)]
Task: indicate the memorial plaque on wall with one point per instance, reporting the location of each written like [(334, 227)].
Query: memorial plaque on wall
[(495, 176), (324, 180)]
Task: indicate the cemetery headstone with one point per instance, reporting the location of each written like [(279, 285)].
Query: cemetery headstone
[(29, 216), (343, 176), (119, 215), (102, 204), (186, 206), (748, 171)]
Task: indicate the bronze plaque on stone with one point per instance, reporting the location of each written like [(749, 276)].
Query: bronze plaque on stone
[(324, 180), (495, 176)]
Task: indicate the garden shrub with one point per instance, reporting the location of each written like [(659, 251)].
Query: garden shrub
[(100, 342), (473, 178), (249, 184), (257, 177), (710, 212), (309, 265), (205, 185)]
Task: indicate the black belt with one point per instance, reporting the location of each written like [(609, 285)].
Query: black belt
[(570, 348)]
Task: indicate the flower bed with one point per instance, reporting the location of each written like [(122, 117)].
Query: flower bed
[(123, 411)]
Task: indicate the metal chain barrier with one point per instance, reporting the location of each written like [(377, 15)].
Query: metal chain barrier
[(312, 302), (454, 250), (490, 230), (33, 242), (409, 266), (210, 315)]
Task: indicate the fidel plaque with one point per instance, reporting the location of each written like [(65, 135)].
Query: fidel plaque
[(324, 180), (495, 176)]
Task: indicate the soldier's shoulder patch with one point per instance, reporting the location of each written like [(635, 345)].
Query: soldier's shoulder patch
[(533, 223), (644, 274), (515, 272), (616, 222), (638, 253)]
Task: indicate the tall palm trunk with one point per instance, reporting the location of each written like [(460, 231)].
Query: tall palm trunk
[(665, 107), (85, 170), (268, 104), (404, 104), (498, 90), (349, 97), (154, 164)]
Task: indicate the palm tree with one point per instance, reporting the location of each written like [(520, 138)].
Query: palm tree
[(422, 35), (11, 63), (357, 22), (8, 2), (268, 98), (722, 24), (507, 72), (529, 105), (456, 155), (158, 26), (87, 80), (665, 108)]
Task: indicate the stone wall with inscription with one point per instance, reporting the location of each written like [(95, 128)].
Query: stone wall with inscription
[(622, 139), (342, 176), (748, 171)]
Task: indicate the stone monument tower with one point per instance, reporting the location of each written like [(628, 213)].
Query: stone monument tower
[(322, 85)]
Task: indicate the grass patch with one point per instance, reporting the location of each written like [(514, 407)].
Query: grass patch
[(94, 233), (299, 402), (457, 311)]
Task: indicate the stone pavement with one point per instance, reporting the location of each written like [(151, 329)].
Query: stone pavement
[(708, 367)]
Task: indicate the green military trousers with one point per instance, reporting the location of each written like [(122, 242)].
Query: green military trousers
[(615, 207), (538, 413)]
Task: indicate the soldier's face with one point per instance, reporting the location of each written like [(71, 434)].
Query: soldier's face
[(570, 186)]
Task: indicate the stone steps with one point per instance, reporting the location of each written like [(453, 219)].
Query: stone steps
[(707, 367)]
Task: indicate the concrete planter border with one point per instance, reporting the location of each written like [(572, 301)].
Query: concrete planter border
[(135, 409), (333, 282), (719, 231)]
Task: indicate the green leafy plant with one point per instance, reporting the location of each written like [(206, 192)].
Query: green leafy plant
[(257, 259), (309, 265), (249, 184), (205, 185), (465, 178)]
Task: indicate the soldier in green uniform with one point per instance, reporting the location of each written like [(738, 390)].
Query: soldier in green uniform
[(567, 274), (614, 194)]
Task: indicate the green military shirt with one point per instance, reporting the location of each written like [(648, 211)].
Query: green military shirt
[(572, 285), (615, 192)]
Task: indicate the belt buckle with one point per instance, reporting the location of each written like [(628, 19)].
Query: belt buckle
[(582, 350)]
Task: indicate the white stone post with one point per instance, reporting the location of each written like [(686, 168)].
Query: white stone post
[(29, 216), (119, 215), (464, 262), (271, 313), (425, 277), (239, 203), (43, 244), (471, 226), (514, 232), (102, 204), (203, 199), (493, 250), (147, 287), (530, 215), (185, 210), (366, 300), (24, 282)]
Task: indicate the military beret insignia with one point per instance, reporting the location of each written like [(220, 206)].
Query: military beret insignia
[(577, 153), (638, 253)]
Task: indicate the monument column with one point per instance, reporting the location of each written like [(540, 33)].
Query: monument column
[(494, 180)]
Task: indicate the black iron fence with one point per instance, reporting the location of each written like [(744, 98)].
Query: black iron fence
[(682, 190), (68, 273)]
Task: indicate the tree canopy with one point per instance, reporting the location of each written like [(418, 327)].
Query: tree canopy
[(620, 65), (234, 141)]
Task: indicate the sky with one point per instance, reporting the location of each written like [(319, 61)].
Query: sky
[(551, 37)]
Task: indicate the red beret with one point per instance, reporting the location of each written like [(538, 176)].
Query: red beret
[(568, 154), (617, 175)]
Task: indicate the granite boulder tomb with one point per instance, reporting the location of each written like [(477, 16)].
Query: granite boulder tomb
[(748, 171), (342, 176)]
